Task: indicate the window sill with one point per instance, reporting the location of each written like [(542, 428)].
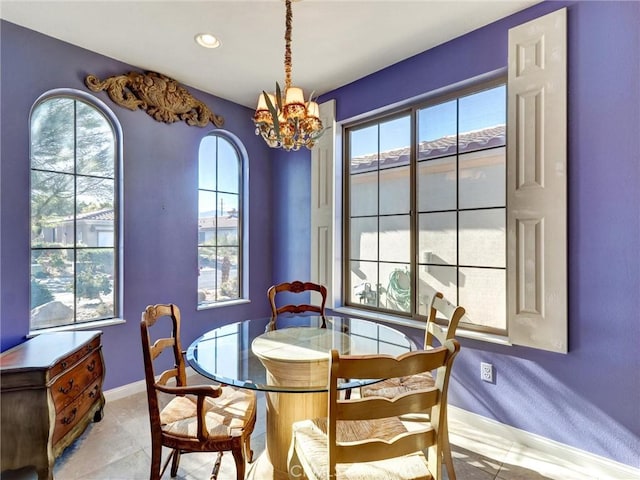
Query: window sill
[(406, 322), (78, 326), (229, 303)]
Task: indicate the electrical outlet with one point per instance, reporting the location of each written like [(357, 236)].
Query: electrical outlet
[(486, 372)]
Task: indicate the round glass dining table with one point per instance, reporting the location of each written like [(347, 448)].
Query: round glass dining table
[(288, 359)]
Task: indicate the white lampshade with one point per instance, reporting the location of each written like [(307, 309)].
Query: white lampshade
[(262, 103), (313, 110), (294, 95)]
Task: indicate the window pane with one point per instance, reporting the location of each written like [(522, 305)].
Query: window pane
[(95, 142), (394, 190), (94, 284), (363, 193), (207, 218), (52, 288), (395, 139), (441, 279), (52, 135), (52, 196), (363, 144), (482, 238), (479, 112), (364, 239), (228, 163), (207, 163), (437, 130), (227, 273), (207, 282), (437, 184), (227, 205), (227, 220), (395, 243), (396, 280), (437, 238), (483, 179), (483, 295), (94, 212), (228, 231), (364, 283)]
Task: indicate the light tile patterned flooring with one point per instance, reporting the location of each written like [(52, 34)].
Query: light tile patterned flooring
[(118, 448)]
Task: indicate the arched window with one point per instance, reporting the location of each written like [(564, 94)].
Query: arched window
[(75, 151), (220, 220)]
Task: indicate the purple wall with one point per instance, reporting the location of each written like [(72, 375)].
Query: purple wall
[(160, 200), (291, 183), (589, 398)]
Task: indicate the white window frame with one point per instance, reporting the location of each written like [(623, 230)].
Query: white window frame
[(243, 217)]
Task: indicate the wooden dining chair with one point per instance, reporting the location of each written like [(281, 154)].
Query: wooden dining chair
[(435, 334), (377, 437), (296, 287), (202, 418)]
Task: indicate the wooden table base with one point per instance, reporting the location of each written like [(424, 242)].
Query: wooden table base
[(283, 409)]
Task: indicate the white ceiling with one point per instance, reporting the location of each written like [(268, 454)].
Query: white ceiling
[(334, 41)]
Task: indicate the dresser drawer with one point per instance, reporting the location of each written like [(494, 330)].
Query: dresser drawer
[(69, 385), (68, 417), (74, 358)]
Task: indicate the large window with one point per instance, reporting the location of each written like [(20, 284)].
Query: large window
[(74, 213), (220, 221), (426, 206)]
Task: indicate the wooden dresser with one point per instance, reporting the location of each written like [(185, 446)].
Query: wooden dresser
[(50, 390)]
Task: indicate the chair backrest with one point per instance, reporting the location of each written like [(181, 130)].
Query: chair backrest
[(296, 287), (432, 399), (151, 349), (440, 307)]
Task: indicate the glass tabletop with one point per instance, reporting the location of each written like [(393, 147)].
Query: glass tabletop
[(292, 354)]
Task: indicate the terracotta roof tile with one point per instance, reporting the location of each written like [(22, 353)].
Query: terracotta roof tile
[(429, 149)]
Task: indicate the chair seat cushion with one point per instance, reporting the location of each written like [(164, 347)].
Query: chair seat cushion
[(310, 447), (392, 387), (226, 416)]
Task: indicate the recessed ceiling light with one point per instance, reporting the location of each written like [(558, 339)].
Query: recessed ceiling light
[(207, 40)]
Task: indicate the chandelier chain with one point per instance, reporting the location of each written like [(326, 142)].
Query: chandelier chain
[(287, 49)]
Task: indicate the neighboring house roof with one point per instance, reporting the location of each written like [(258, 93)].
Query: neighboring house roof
[(99, 215), (223, 222), (106, 214), (429, 149)]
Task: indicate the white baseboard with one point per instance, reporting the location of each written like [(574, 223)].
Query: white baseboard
[(594, 466), (117, 393)]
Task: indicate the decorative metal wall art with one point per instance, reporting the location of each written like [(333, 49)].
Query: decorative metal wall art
[(160, 96)]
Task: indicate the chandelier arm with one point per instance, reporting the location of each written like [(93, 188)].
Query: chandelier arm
[(287, 50)]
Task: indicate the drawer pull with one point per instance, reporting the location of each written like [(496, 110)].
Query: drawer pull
[(91, 367), (70, 418), (93, 393), (68, 389), (63, 365)]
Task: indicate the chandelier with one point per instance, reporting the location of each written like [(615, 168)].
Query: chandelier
[(293, 123)]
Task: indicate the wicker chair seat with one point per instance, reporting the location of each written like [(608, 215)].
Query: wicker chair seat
[(310, 438), (226, 416)]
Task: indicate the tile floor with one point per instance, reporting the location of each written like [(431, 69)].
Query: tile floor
[(118, 448)]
